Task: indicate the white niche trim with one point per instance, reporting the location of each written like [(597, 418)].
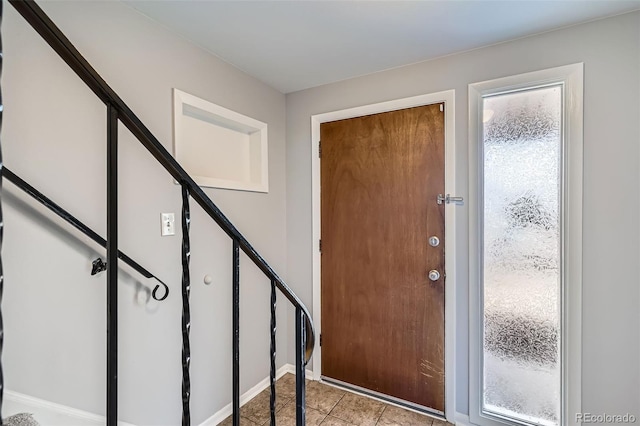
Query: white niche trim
[(218, 147)]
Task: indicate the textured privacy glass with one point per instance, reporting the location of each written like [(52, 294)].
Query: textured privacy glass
[(522, 155)]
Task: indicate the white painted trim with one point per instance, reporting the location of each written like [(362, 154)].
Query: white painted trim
[(572, 77), (290, 368), (259, 151), (250, 394), (51, 408), (448, 98), (461, 420)]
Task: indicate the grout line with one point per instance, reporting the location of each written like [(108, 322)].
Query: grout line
[(384, 407), (286, 401), (381, 413), (434, 417), (249, 420), (336, 404)]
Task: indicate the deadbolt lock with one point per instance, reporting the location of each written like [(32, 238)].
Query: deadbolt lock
[(434, 241)]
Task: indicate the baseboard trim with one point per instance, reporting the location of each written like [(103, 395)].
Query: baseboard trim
[(43, 406), (252, 393), (37, 405), (462, 420), (308, 374)]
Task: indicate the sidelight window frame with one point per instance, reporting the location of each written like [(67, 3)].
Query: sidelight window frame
[(571, 79)]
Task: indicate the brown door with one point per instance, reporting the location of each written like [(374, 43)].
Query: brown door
[(382, 317)]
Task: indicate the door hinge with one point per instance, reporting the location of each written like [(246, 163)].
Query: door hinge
[(319, 149), (320, 339), (320, 246)]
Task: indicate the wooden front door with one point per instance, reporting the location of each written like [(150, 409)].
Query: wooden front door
[(382, 316)]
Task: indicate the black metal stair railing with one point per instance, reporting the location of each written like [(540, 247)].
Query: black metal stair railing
[(119, 112), (272, 349), (112, 260), (186, 313), (98, 265), (235, 340), (1, 233)]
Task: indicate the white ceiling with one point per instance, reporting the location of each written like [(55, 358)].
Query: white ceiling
[(294, 45)]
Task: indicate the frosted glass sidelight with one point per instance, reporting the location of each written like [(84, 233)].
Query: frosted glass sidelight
[(522, 181)]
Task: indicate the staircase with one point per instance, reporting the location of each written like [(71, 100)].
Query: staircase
[(119, 113)]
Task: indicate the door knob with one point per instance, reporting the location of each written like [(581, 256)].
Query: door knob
[(434, 275)]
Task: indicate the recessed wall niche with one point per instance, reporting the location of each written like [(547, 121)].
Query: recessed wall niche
[(218, 147)]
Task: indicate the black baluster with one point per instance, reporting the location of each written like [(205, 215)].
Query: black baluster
[(186, 314), (300, 350), (1, 237), (272, 374), (112, 261), (236, 333)]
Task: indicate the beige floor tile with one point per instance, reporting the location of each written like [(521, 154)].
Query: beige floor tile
[(257, 410), (358, 410), (334, 421), (437, 422), (286, 387), (243, 422), (327, 405), (393, 415), (322, 397), (287, 416)]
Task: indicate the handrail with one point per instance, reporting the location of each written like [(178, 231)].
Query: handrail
[(65, 49), (68, 217)]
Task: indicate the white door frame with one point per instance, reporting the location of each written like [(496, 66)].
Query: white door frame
[(448, 98)]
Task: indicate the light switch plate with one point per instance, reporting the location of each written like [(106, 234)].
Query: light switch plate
[(168, 223)]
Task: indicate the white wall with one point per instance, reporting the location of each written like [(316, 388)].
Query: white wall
[(54, 137), (610, 50)]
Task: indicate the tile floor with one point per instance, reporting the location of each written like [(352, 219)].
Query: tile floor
[(327, 405)]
